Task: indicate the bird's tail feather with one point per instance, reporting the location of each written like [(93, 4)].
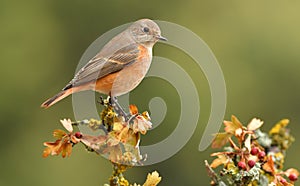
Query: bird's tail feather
[(61, 95)]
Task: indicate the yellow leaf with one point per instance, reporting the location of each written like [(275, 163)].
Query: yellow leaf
[(220, 140), (145, 114), (118, 126), (221, 160), (230, 166), (281, 124), (133, 138), (233, 125), (59, 133), (152, 179), (46, 152), (123, 135)]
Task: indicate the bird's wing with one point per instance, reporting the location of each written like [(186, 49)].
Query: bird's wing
[(99, 67)]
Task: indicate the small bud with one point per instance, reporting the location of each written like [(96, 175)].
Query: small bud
[(293, 177), (251, 163), (283, 181), (261, 154), (78, 135), (242, 165), (254, 151)]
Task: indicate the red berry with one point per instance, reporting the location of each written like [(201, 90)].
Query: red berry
[(251, 163), (78, 135), (254, 151), (293, 177), (283, 181), (261, 154), (242, 165)]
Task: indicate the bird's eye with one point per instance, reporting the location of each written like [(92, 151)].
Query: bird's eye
[(146, 29)]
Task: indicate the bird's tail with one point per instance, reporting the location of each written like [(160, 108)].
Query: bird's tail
[(61, 95)]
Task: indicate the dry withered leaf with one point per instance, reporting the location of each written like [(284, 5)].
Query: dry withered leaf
[(67, 123), (57, 147), (94, 142), (114, 153), (254, 124), (141, 124)]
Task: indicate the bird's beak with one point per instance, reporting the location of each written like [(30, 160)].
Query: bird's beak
[(159, 37)]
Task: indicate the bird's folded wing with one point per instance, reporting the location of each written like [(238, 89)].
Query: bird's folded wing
[(99, 67)]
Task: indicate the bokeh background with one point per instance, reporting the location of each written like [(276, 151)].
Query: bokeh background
[(256, 43)]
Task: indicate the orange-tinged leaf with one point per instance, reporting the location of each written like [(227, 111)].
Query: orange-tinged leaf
[(236, 122), (59, 134), (74, 139), (66, 149), (54, 147), (221, 160), (123, 135), (269, 166), (220, 140), (233, 125), (254, 124), (216, 153), (133, 110), (46, 152)]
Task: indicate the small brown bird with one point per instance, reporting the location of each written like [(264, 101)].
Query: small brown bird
[(119, 67)]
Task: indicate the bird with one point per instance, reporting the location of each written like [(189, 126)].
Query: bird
[(119, 66)]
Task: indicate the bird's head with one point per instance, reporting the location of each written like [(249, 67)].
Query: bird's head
[(146, 31)]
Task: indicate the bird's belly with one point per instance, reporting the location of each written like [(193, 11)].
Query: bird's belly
[(130, 77), (125, 80)]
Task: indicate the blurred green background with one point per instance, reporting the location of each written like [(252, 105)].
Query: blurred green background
[(256, 43)]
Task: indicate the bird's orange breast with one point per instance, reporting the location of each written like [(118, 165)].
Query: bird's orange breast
[(128, 78)]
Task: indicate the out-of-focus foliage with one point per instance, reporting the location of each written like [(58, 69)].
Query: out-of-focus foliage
[(256, 43), (250, 162)]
